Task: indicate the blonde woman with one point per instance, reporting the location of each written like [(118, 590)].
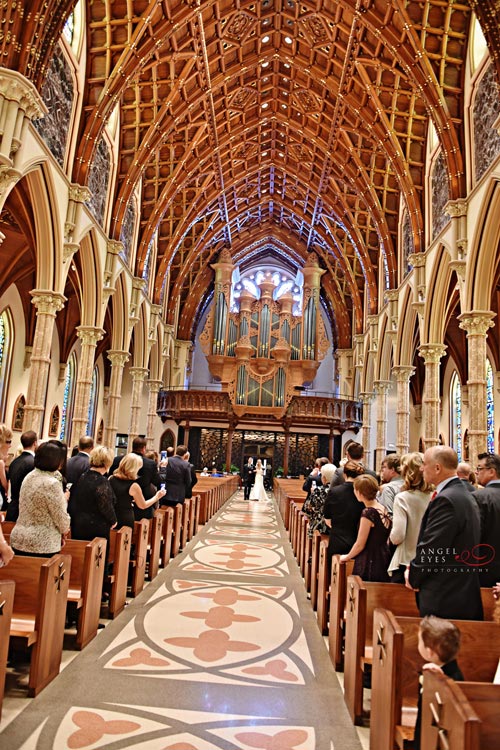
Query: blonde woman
[(5, 443), (409, 507), (127, 490), (92, 501)]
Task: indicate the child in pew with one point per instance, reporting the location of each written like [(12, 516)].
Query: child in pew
[(439, 643)]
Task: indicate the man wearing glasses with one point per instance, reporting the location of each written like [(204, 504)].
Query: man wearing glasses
[(488, 500)]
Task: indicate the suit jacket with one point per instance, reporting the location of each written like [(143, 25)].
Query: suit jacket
[(77, 466), (148, 480), (19, 468), (177, 481), (488, 500), (248, 474), (448, 585), (194, 479)]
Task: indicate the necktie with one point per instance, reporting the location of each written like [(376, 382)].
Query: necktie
[(433, 495)]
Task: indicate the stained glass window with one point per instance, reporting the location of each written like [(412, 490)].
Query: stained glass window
[(490, 410), (69, 27), (5, 357), (69, 388), (456, 414)]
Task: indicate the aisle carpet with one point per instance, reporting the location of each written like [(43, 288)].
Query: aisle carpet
[(222, 651)]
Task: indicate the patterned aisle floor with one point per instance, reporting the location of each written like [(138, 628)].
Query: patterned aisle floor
[(221, 651)]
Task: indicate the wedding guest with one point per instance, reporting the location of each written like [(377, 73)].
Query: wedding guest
[(128, 492), (92, 502)]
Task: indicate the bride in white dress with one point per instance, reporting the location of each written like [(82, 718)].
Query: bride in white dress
[(258, 492)]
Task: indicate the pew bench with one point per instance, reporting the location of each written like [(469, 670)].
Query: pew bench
[(118, 561), (396, 667), (88, 562), (39, 612), (154, 545), (459, 715), (7, 589), (167, 514), (338, 595), (138, 556)]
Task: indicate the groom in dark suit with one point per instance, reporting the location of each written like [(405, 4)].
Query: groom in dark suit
[(248, 478), (19, 468), (444, 570)]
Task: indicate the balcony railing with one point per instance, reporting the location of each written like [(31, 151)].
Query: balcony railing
[(303, 410)]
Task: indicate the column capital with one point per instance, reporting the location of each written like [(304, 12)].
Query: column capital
[(156, 309), (381, 386), (417, 260), (118, 357), (79, 193), (367, 397), (138, 373), (154, 385), (432, 353), (47, 301), (476, 322), (456, 208), (403, 373), (138, 283), (114, 247), (89, 335), (392, 295), (15, 87)]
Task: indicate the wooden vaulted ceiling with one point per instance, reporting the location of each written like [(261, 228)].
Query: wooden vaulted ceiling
[(268, 127)]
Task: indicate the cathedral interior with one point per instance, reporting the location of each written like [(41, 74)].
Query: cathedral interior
[(260, 228)]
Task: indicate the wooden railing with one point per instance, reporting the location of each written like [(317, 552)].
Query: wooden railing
[(339, 413)]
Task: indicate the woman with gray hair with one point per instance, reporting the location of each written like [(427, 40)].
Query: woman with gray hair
[(314, 505)]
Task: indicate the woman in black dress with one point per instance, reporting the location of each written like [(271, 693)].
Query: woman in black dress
[(92, 501), (127, 490), (342, 512), (370, 552)]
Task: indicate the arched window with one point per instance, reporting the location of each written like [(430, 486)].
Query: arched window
[(6, 345), (68, 398), (94, 395), (18, 416), (456, 415), (490, 408)]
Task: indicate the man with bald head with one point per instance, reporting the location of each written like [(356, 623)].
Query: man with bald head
[(444, 570)]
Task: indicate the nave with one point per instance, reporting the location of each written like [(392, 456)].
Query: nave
[(221, 651)]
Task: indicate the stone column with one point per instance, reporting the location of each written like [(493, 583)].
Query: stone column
[(403, 374), (138, 377), (47, 304), (381, 388), (331, 444), (476, 324), (286, 451), (89, 336), (117, 358), (366, 399), (153, 389), (431, 354)]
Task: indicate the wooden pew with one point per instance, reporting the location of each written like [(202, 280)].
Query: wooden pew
[(397, 663), (362, 599), (186, 514), (192, 514), (166, 535), (176, 530), (139, 556), (154, 545), (119, 557), (7, 589), (88, 562), (338, 595), (459, 715), (196, 516), (322, 600), (39, 612)]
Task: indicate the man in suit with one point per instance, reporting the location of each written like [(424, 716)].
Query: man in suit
[(79, 464), (354, 452), (148, 478), (488, 500), (19, 468), (177, 478), (441, 571), (248, 478), (192, 471)]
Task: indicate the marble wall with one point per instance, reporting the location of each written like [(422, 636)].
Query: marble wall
[(486, 112), (440, 194), (57, 94)]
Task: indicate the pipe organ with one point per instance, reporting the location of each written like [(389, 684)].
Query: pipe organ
[(261, 352)]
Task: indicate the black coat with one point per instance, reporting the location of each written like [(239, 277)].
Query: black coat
[(76, 466), (488, 500), (148, 480), (448, 584), (248, 474), (19, 468), (177, 481)]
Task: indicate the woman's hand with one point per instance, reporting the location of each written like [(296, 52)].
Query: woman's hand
[(6, 552), (161, 493), (344, 558)]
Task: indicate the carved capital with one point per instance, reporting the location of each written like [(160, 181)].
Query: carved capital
[(138, 283), (89, 335), (79, 193), (432, 353), (456, 208), (156, 309), (403, 373), (8, 178), (417, 260), (476, 322), (69, 249), (47, 301), (154, 385), (381, 387), (117, 357), (138, 374), (366, 398), (114, 247)]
